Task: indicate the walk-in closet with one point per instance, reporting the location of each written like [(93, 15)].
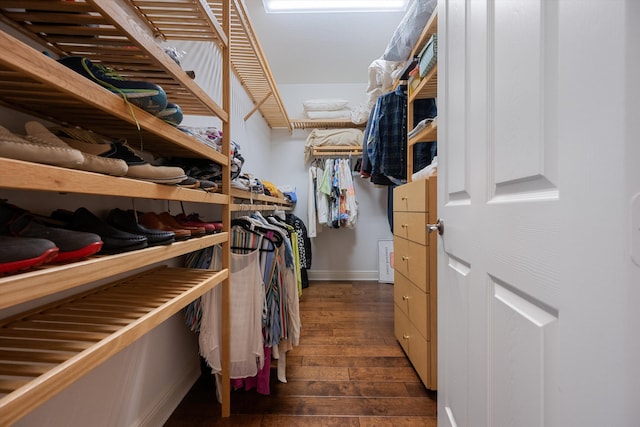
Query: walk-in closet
[(317, 213)]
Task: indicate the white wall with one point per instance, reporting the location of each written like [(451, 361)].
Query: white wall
[(337, 254)]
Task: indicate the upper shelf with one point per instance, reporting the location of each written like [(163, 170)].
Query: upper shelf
[(102, 32), (172, 20), (325, 124)]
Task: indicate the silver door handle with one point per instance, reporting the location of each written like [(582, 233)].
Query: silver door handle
[(438, 226)]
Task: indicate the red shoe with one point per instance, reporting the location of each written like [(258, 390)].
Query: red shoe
[(194, 221)]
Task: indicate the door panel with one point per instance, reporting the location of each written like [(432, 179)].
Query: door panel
[(537, 289)]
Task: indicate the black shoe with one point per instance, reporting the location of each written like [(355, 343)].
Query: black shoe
[(126, 221), (72, 245), (115, 241), (21, 253)]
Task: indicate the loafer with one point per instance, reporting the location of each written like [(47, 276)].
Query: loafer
[(190, 221), (72, 245), (16, 147), (168, 219), (151, 220), (126, 221), (115, 241), (38, 133), (137, 167), (22, 253)]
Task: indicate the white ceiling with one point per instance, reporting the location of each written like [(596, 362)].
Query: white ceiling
[(315, 48)]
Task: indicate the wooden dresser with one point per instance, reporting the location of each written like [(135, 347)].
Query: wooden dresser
[(415, 279)]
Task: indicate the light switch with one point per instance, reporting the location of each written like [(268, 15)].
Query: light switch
[(635, 229)]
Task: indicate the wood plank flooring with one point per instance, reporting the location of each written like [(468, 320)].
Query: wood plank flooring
[(348, 370)]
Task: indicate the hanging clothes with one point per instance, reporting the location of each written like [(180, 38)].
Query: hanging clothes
[(246, 305), (335, 194), (386, 137)]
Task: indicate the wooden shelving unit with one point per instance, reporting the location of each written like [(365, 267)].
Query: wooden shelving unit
[(58, 343), (46, 350), (427, 88)]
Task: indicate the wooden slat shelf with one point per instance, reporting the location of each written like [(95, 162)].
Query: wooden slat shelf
[(336, 150), (53, 278), (103, 31), (60, 95), (28, 386), (57, 179), (325, 124), (181, 20), (428, 86), (247, 59), (428, 134), (248, 201)]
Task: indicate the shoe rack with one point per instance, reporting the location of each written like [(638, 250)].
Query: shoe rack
[(116, 33)]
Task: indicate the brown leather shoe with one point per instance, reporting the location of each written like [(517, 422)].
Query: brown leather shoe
[(172, 222), (151, 220)]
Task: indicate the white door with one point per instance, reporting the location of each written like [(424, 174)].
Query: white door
[(539, 152)]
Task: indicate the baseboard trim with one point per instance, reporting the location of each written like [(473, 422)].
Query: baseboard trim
[(159, 413), (342, 275)]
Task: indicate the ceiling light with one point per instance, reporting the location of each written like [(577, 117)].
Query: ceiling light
[(302, 6)]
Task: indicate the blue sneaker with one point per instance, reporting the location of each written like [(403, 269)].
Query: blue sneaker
[(148, 96), (172, 114)]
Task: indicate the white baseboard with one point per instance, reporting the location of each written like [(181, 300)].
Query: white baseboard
[(159, 413), (342, 275)]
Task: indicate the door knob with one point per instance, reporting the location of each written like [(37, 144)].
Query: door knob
[(438, 226)]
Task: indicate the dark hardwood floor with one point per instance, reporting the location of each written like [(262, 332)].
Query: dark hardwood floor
[(348, 370)]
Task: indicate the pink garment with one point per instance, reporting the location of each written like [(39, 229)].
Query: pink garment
[(261, 381)]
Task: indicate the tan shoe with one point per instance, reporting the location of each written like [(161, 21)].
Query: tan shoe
[(19, 148), (138, 167), (151, 220), (38, 133)]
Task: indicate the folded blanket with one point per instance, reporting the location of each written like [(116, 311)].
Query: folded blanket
[(343, 113), (352, 137)]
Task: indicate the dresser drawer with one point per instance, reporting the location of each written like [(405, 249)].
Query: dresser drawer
[(413, 302), (411, 197), (413, 344), (411, 226), (410, 260)]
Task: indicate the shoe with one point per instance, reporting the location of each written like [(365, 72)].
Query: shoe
[(72, 245), (196, 217), (15, 147), (189, 183), (146, 95), (21, 253), (137, 167), (208, 186), (172, 114), (126, 221), (151, 220), (115, 241), (168, 219), (38, 133), (191, 221)]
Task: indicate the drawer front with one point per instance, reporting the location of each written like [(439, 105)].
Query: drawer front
[(410, 259), (419, 356), (413, 344), (411, 197), (411, 226), (414, 303), (400, 255), (401, 327)]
